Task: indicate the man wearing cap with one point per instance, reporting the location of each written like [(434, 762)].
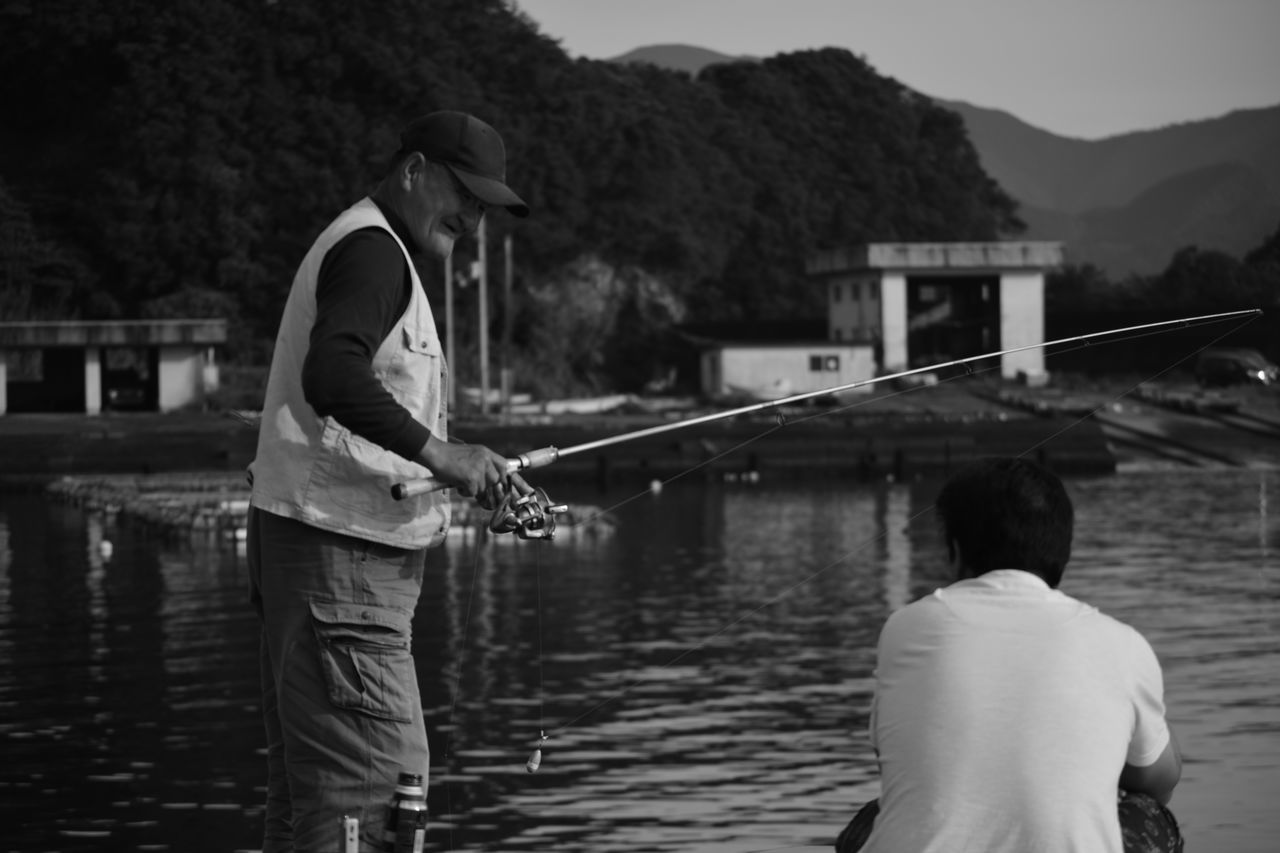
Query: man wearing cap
[(355, 403)]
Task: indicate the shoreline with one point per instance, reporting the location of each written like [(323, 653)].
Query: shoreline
[(907, 433), (35, 448)]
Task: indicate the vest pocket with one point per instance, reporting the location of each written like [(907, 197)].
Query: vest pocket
[(414, 369), (421, 341), (365, 659)]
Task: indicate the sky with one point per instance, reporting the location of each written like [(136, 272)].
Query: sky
[(1079, 68)]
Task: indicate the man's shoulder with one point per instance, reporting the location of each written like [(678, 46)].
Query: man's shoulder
[(371, 245), (1103, 620), (374, 236), (364, 262), (925, 608)]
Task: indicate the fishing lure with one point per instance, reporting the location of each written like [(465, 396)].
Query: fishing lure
[(535, 758)]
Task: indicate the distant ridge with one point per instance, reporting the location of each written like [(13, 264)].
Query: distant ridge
[(1076, 175), (1125, 203), (679, 57)]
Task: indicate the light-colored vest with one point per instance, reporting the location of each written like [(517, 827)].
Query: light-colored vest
[(317, 471)]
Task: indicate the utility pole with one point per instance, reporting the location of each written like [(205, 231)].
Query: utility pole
[(508, 319), (484, 319), (448, 333)]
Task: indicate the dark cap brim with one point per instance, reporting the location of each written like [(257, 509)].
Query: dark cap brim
[(491, 192)]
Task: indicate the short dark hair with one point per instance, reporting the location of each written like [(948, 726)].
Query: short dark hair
[(1008, 513)]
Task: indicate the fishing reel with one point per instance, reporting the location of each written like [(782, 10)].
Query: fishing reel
[(527, 516)]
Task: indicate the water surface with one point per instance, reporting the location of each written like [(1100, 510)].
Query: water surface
[(701, 664)]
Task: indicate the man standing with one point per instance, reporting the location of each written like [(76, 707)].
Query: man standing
[(355, 403), (1009, 716)]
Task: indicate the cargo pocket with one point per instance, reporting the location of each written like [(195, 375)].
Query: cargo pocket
[(365, 660)]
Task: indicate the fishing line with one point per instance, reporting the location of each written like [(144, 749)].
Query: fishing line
[(1108, 403), (1139, 332), (1262, 523), (780, 422), (457, 683), (607, 511), (969, 372), (535, 757), (545, 456)]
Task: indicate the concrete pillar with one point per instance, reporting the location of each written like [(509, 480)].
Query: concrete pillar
[(1022, 323), (92, 380), (209, 379), (893, 321), (174, 378)]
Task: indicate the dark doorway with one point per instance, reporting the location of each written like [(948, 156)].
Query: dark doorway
[(951, 317), (46, 380)]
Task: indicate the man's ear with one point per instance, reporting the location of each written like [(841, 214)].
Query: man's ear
[(413, 167)]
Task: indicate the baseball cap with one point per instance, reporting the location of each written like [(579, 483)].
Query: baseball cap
[(471, 149)]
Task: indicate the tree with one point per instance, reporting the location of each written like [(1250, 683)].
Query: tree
[(39, 279), (188, 151)]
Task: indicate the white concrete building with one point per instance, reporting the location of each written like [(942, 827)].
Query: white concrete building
[(772, 370), (924, 303)]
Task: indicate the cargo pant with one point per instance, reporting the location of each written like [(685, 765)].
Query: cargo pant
[(339, 691)]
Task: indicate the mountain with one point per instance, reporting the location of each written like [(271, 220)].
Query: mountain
[(679, 57), (1125, 203)]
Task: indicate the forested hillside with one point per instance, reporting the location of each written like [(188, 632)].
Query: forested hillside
[(176, 157), (1125, 204)]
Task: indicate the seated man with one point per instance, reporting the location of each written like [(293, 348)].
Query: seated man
[(1009, 716)]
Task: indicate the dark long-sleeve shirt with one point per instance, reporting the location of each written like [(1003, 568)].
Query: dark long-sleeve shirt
[(361, 293)]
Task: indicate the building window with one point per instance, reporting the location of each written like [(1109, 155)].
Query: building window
[(824, 363), (837, 293)]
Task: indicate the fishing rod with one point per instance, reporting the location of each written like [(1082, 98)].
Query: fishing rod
[(541, 457)]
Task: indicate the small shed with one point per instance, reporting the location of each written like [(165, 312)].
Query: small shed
[(770, 370), (118, 365), (926, 303)]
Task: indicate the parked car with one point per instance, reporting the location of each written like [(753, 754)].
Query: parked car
[(1234, 366)]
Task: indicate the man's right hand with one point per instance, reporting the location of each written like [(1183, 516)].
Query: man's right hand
[(474, 470)]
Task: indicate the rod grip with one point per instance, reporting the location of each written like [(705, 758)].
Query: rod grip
[(413, 488), (532, 459)]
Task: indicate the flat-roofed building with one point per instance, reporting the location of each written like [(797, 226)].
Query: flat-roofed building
[(92, 366), (928, 303), (772, 370)]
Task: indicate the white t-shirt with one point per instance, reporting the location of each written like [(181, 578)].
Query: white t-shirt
[(1004, 713)]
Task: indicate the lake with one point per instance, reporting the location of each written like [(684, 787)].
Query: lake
[(700, 659)]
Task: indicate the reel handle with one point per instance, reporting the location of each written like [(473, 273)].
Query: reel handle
[(532, 459)]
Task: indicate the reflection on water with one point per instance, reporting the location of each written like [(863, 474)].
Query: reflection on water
[(702, 667)]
